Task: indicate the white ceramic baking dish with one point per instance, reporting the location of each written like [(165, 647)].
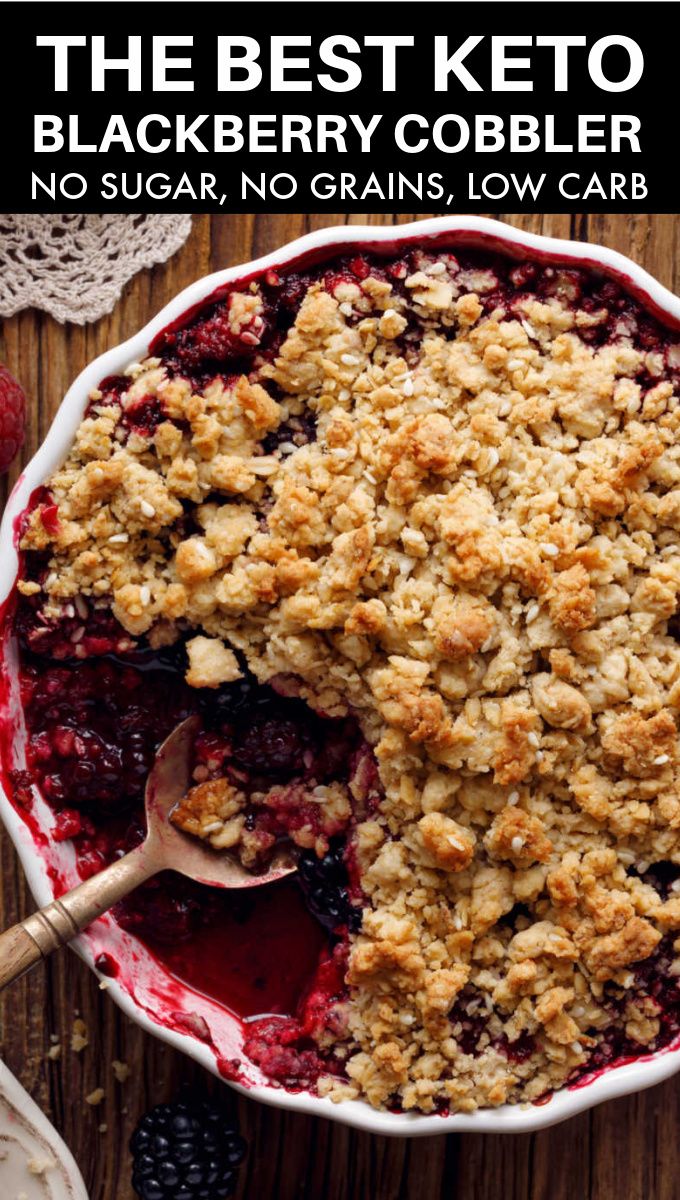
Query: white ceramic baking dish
[(146, 992)]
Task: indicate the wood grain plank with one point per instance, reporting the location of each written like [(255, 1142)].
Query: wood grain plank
[(625, 1150)]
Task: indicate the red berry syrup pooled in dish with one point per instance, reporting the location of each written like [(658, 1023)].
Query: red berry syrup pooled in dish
[(93, 726), (12, 419)]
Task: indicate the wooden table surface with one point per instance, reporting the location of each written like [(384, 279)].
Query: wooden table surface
[(624, 1150)]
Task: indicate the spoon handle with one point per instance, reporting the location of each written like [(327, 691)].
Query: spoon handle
[(25, 944)]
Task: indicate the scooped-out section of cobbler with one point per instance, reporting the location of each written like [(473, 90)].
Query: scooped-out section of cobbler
[(406, 532)]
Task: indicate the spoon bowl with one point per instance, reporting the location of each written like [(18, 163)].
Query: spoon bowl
[(167, 784)]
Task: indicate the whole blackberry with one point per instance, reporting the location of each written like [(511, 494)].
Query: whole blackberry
[(269, 743), (186, 1150), (325, 884)]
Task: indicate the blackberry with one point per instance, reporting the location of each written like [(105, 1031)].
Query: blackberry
[(662, 876), (95, 727), (271, 744), (186, 1150), (144, 417), (298, 431), (325, 882), (208, 340)]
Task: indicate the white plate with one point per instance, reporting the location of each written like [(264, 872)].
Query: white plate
[(145, 992), (34, 1161)]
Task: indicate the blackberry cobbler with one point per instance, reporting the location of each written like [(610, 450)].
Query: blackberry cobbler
[(406, 532)]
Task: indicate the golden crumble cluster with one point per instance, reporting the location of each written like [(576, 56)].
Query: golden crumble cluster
[(478, 556)]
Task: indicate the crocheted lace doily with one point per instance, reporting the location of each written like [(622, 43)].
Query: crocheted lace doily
[(75, 266)]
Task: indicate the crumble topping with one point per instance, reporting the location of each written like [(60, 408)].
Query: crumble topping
[(218, 812), (476, 554), (210, 662)]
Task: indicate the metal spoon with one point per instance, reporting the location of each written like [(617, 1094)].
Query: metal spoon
[(164, 848)]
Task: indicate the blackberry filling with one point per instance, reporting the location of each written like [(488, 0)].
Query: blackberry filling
[(93, 728)]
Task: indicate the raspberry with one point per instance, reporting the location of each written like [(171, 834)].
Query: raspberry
[(12, 419)]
